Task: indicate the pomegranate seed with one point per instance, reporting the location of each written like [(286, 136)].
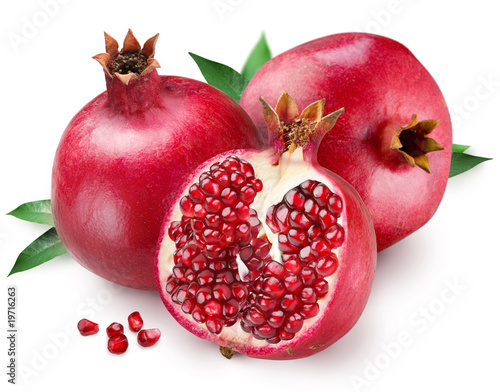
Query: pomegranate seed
[(187, 206), (210, 187), (198, 314), (319, 247), (309, 310), (188, 305), (228, 215), (265, 303), (213, 308), (224, 277), (221, 176), (282, 215), (291, 263), (326, 219), (290, 303), (295, 199), (298, 238), (306, 255), (321, 193), (257, 184), (199, 211), (113, 329), (242, 211), (171, 285), (148, 337), (273, 269), (273, 287), (214, 325), (314, 232), (335, 236), (285, 245), (308, 276), (276, 319), (293, 283), (308, 295), (248, 193), (240, 291), (221, 292), (321, 288), (334, 205), (229, 197), (327, 265), (203, 295), (284, 335), (231, 164), (265, 331), (247, 169), (307, 187), (230, 308), (213, 205), (135, 321), (117, 344), (196, 194), (245, 327), (255, 317), (294, 322), (299, 220), (311, 209), (87, 327)]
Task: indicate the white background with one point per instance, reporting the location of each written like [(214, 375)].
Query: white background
[(452, 337)]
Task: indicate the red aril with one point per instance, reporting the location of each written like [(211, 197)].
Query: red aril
[(283, 267), (135, 322), (394, 141), (114, 329), (87, 327), (117, 344), (123, 157), (148, 337)]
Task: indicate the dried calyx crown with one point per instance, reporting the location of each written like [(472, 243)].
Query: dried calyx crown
[(290, 129), (413, 143), (130, 63)]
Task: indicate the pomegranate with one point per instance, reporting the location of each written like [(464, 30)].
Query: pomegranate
[(117, 344), (148, 337), (394, 142), (135, 322), (114, 329), (87, 327), (125, 154), (265, 252)]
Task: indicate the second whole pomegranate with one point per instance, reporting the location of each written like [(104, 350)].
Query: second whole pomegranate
[(394, 141)]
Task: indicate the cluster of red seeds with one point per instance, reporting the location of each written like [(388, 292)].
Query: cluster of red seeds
[(286, 294), (273, 299), (217, 222)]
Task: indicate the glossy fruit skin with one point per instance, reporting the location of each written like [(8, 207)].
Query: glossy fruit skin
[(380, 84), (350, 294), (122, 158)]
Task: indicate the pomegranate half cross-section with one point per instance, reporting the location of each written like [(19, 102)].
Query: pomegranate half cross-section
[(265, 252)]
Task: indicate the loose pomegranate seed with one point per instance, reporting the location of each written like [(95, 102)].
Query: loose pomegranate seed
[(148, 337), (87, 327), (135, 321), (114, 329), (117, 344)]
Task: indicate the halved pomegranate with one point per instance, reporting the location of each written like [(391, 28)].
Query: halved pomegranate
[(265, 252)]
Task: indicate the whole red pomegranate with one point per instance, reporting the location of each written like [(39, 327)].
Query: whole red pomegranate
[(123, 157), (381, 145), (264, 251)]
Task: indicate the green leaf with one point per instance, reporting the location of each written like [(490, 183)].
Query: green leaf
[(259, 55), (461, 162), (43, 249), (221, 76), (34, 211), (460, 148)]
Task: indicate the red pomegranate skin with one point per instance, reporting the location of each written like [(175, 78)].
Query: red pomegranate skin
[(380, 84), (121, 160)]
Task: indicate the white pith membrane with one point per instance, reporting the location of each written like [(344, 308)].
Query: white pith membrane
[(277, 179), (291, 172)]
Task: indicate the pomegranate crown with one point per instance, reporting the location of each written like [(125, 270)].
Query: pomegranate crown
[(289, 129), (413, 143), (132, 61)]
